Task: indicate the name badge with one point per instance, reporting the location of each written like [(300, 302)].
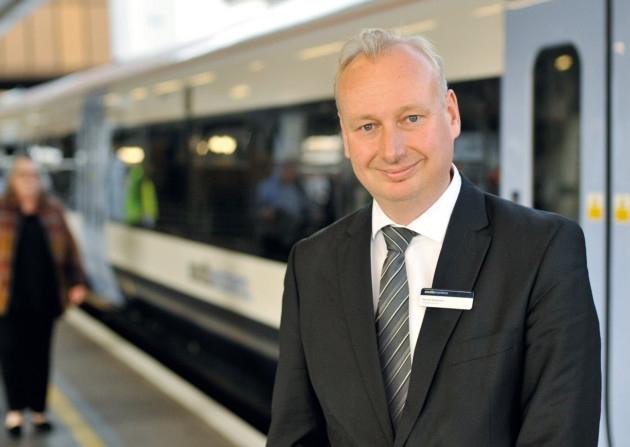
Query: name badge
[(447, 299)]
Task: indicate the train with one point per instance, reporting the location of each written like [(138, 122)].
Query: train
[(189, 174)]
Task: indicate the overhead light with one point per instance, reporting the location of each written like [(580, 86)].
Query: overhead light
[(139, 93), (321, 50), (322, 143), (256, 66), (418, 27), (112, 99), (166, 87), (130, 155), (240, 91), (202, 79), (619, 47), (563, 62), (488, 10), (520, 4), (498, 8), (222, 144), (321, 150)]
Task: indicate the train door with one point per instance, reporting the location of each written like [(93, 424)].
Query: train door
[(619, 304), (553, 125)]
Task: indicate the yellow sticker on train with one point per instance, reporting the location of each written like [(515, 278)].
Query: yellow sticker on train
[(595, 206), (622, 208)]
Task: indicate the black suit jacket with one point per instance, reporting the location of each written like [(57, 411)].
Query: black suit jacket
[(522, 367)]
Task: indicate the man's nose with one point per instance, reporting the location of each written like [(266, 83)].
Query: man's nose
[(392, 144)]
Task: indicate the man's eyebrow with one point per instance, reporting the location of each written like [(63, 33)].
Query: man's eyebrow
[(401, 110), (363, 117), (406, 108)]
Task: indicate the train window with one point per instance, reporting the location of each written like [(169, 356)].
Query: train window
[(258, 181), (219, 183), (302, 158), (477, 148), (151, 168), (556, 131)]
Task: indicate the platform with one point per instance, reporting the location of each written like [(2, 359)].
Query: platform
[(106, 393)]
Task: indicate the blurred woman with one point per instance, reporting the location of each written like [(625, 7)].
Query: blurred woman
[(40, 274)]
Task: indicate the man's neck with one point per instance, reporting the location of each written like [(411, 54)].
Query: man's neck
[(406, 211), (403, 213)]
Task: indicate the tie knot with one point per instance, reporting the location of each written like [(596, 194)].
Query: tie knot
[(398, 238)]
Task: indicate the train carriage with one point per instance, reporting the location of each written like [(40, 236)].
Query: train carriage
[(171, 165)]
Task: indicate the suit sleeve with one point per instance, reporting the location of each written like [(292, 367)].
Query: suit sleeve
[(296, 417), (561, 390)]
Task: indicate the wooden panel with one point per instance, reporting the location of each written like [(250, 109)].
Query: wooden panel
[(43, 35), (61, 36), (72, 35), (3, 63), (99, 33), (14, 44)]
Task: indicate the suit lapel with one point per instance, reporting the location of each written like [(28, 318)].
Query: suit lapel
[(355, 262), (463, 251)]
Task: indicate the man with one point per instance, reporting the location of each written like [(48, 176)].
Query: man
[(503, 350)]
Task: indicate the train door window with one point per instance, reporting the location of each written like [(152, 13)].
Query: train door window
[(300, 183), (126, 174), (556, 131), (284, 207), (219, 182), (163, 189), (477, 148)]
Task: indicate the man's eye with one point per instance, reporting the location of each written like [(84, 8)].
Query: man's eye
[(413, 118), (367, 127)]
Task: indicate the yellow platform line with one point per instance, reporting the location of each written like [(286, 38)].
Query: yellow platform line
[(70, 417)]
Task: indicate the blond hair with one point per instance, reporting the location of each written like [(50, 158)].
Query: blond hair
[(372, 42)]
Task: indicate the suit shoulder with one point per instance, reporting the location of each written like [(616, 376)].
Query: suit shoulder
[(328, 237), (513, 216), (542, 237)]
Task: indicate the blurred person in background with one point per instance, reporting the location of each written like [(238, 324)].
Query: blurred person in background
[(284, 211), (40, 275)]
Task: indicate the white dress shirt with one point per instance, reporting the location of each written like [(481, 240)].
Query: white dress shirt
[(422, 254)]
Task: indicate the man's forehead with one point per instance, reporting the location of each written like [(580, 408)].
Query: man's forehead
[(385, 72), (397, 54), (387, 95)]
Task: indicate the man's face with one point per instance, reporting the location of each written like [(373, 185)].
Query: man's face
[(398, 131)]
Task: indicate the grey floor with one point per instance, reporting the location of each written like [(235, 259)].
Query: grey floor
[(118, 405)]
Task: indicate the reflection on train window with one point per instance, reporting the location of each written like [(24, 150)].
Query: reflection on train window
[(556, 131), (258, 181), (477, 148)]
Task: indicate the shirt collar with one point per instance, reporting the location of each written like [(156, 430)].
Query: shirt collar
[(433, 222)]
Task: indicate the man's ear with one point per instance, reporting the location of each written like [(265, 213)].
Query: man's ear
[(346, 152), (452, 109)]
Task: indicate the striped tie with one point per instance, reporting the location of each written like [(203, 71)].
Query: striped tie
[(392, 320)]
